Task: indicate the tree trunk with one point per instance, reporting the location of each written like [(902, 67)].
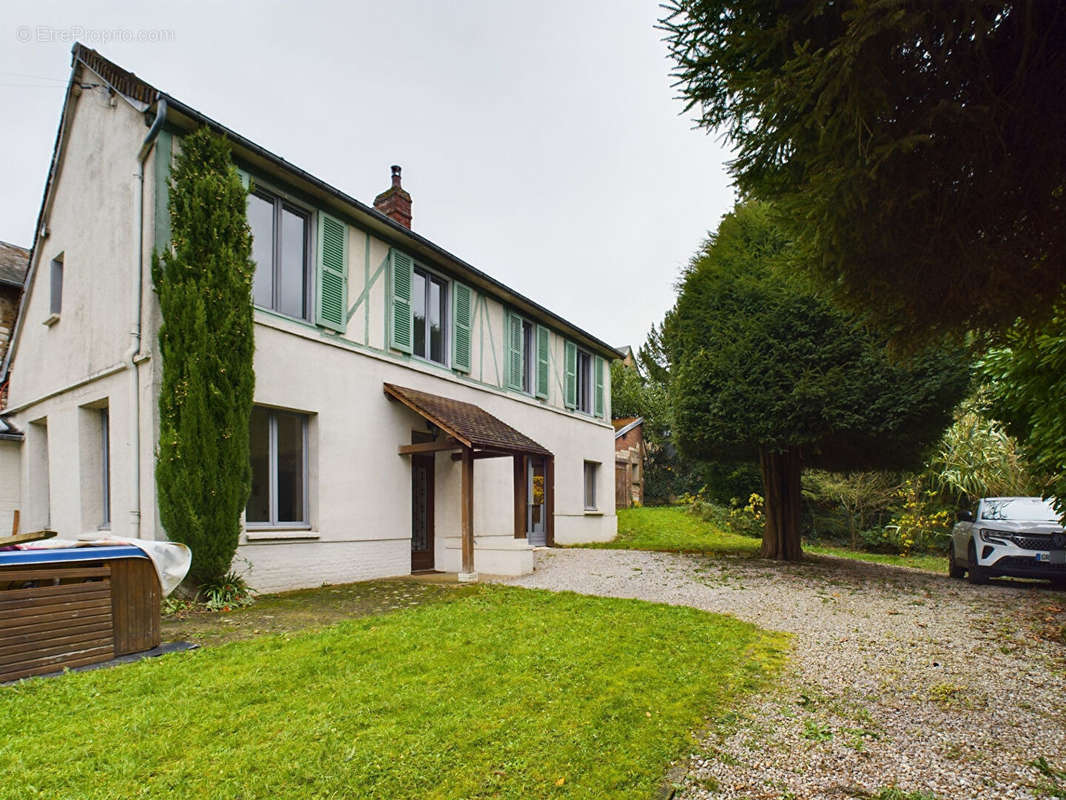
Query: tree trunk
[(781, 487)]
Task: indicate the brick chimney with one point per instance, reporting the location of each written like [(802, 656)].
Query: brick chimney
[(395, 202)]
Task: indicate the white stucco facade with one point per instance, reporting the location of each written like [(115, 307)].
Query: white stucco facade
[(101, 219)]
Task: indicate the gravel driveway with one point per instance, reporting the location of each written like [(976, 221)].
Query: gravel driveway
[(897, 677)]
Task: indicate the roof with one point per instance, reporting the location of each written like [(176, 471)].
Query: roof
[(14, 261), (471, 425), (626, 425), (391, 231)]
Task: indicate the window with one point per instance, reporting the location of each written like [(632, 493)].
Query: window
[(105, 468), (281, 251), (55, 300), (522, 356), (429, 305), (527, 357), (279, 469), (584, 382), (591, 471)]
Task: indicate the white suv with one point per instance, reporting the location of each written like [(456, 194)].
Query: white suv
[(1017, 536)]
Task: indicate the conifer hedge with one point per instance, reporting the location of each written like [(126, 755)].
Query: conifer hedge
[(204, 284)]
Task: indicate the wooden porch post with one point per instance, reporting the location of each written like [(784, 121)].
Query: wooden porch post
[(466, 571), (520, 501)]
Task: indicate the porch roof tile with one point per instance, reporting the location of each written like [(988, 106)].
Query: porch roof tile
[(470, 424)]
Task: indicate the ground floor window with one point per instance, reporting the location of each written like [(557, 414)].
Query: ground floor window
[(279, 469), (591, 471)]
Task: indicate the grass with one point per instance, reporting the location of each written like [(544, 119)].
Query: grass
[(932, 563), (673, 529), (500, 692)]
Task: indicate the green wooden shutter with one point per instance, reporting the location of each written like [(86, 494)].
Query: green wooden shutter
[(598, 368), (400, 290), (331, 304), (246, 179), (542, 362), (462, 305), (514, 351), (571, 375)]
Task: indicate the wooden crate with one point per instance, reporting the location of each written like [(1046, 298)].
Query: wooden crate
[(54, 616)]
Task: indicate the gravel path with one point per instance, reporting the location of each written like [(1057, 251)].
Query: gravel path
[(897, 677)]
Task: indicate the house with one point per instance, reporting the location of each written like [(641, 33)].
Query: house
[(411, 411), (13, 263), (629, 452)]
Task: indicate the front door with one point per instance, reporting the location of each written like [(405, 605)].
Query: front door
[(421, 513)]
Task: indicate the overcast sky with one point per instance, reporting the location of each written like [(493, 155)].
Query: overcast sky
[(541, 142)]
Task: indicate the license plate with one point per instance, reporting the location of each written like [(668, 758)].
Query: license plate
[(1054, 557)]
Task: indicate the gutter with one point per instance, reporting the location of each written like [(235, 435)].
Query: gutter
[(132, 355)]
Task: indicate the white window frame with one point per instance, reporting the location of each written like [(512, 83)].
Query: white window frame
[(278, 196), (591, 469), (446, 319), (584, 378), (272, 465), (55, 290)]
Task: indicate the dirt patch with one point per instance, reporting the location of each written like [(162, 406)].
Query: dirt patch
[(306, 608)]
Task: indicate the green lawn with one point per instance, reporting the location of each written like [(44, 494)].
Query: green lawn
[(502, 692), (672, 528), (933, 563)]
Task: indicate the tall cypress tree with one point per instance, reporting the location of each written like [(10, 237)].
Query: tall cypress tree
[(204, 284)]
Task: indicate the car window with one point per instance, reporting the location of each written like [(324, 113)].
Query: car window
[(1030, 509)]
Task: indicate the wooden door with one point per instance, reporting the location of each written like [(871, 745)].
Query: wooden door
[(421, 513), (622, 493)]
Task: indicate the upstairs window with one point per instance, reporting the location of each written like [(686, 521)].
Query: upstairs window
[(55, 298), (584, 382), (281, 251), (430, 307)]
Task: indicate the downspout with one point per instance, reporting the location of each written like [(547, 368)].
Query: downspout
[(134, 351)]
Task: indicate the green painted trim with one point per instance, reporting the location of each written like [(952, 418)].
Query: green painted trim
[(366, 288), (164, 148), (365, 294)]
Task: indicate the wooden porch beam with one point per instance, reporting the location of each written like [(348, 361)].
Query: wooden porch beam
[(429, 447), (478, 454)]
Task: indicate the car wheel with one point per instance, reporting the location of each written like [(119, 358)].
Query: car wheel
[(955, 570), (975, 573)]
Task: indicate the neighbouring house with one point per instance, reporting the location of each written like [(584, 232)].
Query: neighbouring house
[(411, 412), (13, 263), (629, 455)]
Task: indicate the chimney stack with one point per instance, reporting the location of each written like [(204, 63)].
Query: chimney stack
[(395, 202)]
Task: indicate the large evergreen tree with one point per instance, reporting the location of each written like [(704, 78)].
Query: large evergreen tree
[(918, 150), (769, 372), (204, 284)]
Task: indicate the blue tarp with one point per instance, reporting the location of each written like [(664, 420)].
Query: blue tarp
[(12, 558)]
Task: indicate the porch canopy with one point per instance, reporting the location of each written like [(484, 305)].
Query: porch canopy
[(472, 433)]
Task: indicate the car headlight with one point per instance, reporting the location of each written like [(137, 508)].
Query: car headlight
[(994, 537)]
